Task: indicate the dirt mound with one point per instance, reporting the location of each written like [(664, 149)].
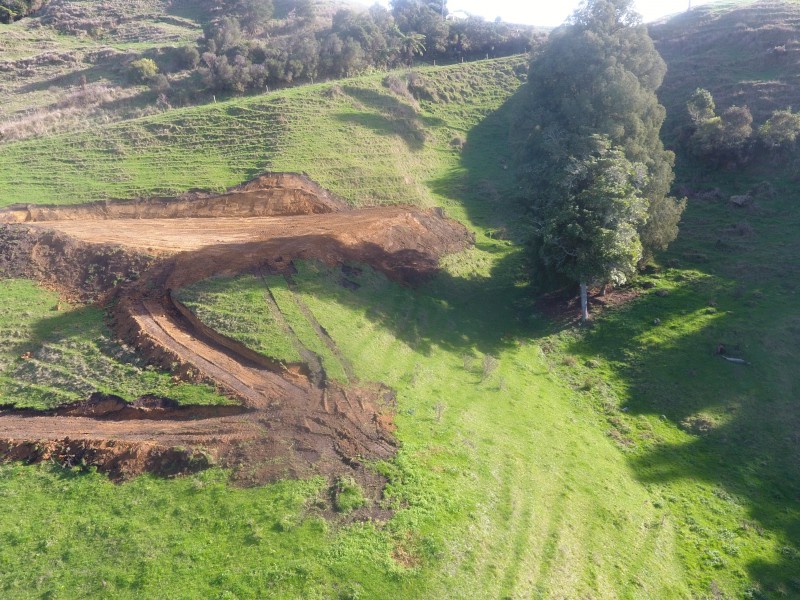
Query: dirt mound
[(267, 195), (120, 460), (289, 424), (107, 406), (78, 270)]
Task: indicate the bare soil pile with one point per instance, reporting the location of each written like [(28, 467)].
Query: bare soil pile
[(288, 424)]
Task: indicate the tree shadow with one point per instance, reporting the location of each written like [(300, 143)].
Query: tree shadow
[(103, 71), (485, 183), (740, 423), (420, 305), (389, 116)]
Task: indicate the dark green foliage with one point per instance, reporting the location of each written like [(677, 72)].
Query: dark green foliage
[(417, 17), (781, 130), (718, 139), (11, 10), (596, 76), (591, 233), (701, 106), (236, 59), (253, 14)]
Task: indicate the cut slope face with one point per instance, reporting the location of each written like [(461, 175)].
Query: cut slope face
[(291, 424), (285, 194)]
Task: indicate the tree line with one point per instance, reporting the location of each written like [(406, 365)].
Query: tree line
[(234, 56), (730, 137)]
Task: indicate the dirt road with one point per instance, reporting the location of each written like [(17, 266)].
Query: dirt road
[(287, 425)]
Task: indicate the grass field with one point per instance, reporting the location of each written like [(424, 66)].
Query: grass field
[(394, 149), (624, 460), (492, 500), (50, 357)]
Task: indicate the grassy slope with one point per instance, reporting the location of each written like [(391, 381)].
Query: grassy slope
[(511, 501), (728, 48), (70, 354), (387, 158), (505, 487), (38, 87)]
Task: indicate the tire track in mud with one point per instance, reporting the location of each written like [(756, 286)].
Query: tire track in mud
[(313, 361), (292, 423), (320, 330)]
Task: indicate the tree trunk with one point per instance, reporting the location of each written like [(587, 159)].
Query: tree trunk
[(584, 304)]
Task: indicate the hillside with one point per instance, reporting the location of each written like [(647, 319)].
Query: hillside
[(72, 63), (533, 457), (745, 53)]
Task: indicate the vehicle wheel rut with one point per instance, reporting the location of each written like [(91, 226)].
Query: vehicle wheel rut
[(320, 330), (291, 420)]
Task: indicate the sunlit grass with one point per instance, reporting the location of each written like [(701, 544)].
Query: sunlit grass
[(49, 357)]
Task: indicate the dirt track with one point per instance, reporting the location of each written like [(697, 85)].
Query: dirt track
[(288, 424)]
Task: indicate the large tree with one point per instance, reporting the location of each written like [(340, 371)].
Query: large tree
[(596, 76), (591, 234)]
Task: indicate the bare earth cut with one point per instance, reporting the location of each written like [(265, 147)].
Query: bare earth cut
[(134, 255)]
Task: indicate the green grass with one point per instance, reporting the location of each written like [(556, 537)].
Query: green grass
[(503, 484), (506, 486), (70, 354), (621, 461), (303, 329), (300, 129), (726, 48), (43, 87), (717, 442), (348, 495), (237, 308)]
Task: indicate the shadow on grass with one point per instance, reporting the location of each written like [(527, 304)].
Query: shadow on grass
[(485, 183), (460, 315), (752, 451), (389, 116), (742, 420)]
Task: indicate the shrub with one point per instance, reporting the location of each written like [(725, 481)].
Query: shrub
[(187, 57), (159, 83), (780, 130), (143, 70)]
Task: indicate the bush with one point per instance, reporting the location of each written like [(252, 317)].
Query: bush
[(187, 57), (143, 70), (159, 84), (780, 130)]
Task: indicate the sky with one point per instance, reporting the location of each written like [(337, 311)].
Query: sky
[(553, 12)]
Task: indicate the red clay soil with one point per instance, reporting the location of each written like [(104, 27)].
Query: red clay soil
[(137, 253)]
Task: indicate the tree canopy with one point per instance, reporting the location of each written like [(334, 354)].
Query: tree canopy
[(590, 103)]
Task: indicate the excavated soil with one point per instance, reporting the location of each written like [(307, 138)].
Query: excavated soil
[(136, 254)]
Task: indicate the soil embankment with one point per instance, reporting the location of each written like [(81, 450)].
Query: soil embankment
[(287, 424)]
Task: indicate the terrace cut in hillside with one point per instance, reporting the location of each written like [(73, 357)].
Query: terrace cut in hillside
[(291, 422)]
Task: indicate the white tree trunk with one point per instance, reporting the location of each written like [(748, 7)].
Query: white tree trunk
[(584, 304)]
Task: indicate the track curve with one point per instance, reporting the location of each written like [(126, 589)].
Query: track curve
[(288, 425)]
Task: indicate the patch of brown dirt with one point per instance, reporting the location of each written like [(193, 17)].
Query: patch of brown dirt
[(565, 309), (120, 460), (288, 424), (272, 194)]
